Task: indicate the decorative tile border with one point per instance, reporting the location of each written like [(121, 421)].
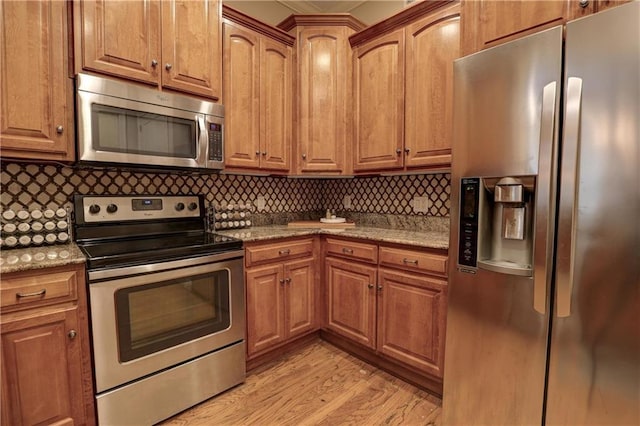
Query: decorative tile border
[(27, 186)]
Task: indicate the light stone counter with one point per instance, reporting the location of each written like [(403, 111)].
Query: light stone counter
[(429, 239), (15, 260)]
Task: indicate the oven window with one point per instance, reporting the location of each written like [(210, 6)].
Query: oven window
[(135, 132), (157, 316)]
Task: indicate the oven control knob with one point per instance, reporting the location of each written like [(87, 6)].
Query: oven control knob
[(180, 207), (193, 206), (112, 208), (94, 209)]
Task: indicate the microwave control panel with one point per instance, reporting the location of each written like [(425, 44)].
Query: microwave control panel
[(215, 141), (468, 238)]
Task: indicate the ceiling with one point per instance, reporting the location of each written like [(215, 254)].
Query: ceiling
[(321, 6)]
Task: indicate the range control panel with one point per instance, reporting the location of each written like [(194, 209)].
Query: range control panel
[(143, 207), (468, 238)]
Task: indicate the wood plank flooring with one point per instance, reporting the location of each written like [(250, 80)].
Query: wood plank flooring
[(317, 385)]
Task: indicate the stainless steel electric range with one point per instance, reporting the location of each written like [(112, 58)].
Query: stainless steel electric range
[(166, 302)]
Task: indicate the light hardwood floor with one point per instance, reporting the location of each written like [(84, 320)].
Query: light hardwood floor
[(317, 385)]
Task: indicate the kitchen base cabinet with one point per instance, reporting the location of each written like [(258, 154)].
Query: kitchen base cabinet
[(391, 303), (281, 295), (46, 373)]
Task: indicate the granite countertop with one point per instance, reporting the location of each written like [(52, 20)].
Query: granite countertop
[(428, 239), (15, 260)]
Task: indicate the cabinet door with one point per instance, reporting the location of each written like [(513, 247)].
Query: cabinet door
[(352, 300), (432, 45), (191, 43), (265, 308), (41, 374), (300, 299), (323, 92), (379, 103), (121, 38), (241, 96), (36, 114), (275, 105), (487, 23), (412, 319)]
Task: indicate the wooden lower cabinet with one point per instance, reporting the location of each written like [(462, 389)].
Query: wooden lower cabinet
[(396, 314), (46, 375), (351, 300), (281, 303), (412, 313)]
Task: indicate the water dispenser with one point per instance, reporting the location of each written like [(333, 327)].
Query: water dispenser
[(496, 224)]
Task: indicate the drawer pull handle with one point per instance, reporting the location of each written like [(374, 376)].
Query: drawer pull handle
[(410, 261), (347, 250), (72, 334), (284, 252), (34, 294)]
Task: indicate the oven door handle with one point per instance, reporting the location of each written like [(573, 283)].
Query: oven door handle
[(104, 274)]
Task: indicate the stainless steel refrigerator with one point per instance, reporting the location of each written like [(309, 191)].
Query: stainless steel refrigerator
[(544, 296)]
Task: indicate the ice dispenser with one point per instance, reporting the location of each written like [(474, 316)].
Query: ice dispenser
[(496, 224)]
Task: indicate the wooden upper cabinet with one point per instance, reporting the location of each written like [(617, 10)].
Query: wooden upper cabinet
[(487, 23), (323, 92), (258, 86), (36, 93), (378, 78), (191, 48), (403, 89), (433, 43), (172, 44), (275, 105), (241, 87)]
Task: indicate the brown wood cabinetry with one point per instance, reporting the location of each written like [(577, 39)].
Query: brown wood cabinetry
[(46, 367), (281, 294), (403, 89), (487, 23), (257, 92), (36, 113), (171, 44), (322, 118), (394, 303)]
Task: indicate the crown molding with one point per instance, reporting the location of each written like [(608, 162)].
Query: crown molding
[(256, 25), (324, 19)]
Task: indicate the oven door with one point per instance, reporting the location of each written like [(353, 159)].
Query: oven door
[(148, 318)]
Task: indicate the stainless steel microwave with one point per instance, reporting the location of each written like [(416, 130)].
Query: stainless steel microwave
[(125, 124)]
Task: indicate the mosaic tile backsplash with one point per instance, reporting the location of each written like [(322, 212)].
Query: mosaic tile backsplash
[(27, 186)]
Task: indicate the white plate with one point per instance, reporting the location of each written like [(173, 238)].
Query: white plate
[(336, 220)]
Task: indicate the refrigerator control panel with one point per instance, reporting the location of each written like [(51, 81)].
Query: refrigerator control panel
[(468, 236)]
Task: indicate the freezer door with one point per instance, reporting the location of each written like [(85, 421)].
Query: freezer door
[(506, 100), (594, 368)]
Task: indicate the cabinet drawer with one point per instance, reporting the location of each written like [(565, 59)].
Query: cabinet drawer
[(255, 255), (352, 250), (37, 288), (413, 260)]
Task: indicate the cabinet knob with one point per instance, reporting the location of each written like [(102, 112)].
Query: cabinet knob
[(288, 280), (281, 281), (347, 250), (304, 156), (398, 151), (406, 150), (379, 288), (59, 129), (584, 3), (284, 252), (168, 66), (264, 153), (257, 152), (72, 334), (154, 63), (370, 286)]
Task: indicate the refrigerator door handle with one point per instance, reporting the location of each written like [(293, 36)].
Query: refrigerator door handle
[(545, 203), (568, 198)]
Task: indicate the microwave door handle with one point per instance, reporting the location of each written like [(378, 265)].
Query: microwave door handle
[(201, 141)]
